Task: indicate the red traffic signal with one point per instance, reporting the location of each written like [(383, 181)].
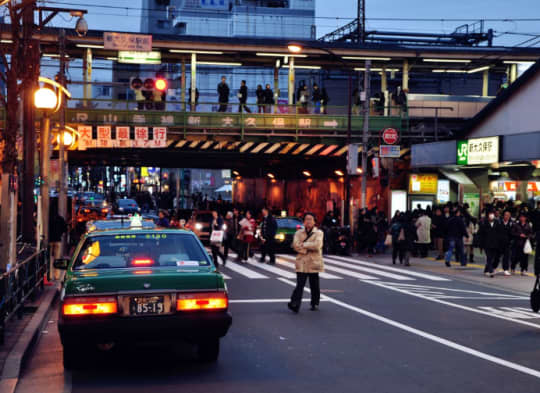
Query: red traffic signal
[(161, 84)]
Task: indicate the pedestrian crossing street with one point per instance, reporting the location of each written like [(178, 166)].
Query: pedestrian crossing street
[(336, 268)]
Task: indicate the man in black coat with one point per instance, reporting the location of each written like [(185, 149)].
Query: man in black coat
[(491, 235), (268, 99), (455, 231), (242, 97), (223, 94), (268, 232), (505, 244)]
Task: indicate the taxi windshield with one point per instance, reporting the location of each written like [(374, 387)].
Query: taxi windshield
[(142, 249)]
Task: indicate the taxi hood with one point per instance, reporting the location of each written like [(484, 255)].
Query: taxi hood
[(80, 282)]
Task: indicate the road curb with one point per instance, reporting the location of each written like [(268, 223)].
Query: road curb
[(29, 336)]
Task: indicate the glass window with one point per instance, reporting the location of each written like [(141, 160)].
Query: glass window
[(288, 223), (154, 249)]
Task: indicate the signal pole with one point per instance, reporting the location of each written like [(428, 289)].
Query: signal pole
[(361, 22)]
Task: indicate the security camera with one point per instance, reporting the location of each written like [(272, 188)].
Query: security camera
[(81, 27)]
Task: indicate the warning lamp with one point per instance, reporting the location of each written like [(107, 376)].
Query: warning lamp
[(161, 84)]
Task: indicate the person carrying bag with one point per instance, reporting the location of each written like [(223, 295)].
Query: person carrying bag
[(216, 238), (308, 243)]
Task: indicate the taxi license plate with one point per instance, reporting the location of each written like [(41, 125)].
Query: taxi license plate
[(147, 305)]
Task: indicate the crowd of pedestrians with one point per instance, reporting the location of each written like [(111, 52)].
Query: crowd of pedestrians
[(505, 232)]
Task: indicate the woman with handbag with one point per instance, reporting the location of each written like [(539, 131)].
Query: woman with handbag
[(246, 235), (217, 236), (522, 234)]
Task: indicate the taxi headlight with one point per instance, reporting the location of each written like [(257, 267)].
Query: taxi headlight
[(280, 236)]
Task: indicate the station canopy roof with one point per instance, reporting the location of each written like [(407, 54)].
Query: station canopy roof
[(264, 52)]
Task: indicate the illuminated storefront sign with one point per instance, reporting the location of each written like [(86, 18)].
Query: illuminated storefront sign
[(423, 184)]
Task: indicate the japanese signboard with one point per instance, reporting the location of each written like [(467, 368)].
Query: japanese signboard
[(127, 42), (389, 151), (121, 137), (478, 151), (423, 184), (133, 57)]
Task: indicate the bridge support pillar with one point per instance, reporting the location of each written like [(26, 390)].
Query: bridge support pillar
[(192, 99), (183, 84), (291, 81), (87, 76), (384, 90), (405, 83), (485, 83)]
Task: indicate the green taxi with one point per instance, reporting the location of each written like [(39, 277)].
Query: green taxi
[(286, 228), (141, 285)]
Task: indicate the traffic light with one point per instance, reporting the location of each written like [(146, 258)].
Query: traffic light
[(161, 84), (135, 83)]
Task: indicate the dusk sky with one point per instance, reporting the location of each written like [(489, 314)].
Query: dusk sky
[(334, 13)]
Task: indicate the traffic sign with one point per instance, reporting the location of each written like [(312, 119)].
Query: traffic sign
[(390, 136), (389, 151)]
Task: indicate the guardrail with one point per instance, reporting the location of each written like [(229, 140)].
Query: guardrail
[(20, 283)]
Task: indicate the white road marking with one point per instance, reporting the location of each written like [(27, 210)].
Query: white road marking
[(431, 337), (266, 300), (487, 295), (284, 262), (347, 272), (475, 310), (369, 270), (512, 312), (235, 267), (391, 269), (225, 276), (273, 269)]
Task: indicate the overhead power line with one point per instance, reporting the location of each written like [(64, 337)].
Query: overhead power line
[(347, 18)]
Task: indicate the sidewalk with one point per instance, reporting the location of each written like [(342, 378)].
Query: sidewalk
[(473, 272), (20, 334)]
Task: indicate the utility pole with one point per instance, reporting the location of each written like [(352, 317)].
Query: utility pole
[(365, 133), (361, 22), (62, 191), (31, 71)]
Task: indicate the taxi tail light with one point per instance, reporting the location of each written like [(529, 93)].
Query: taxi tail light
[(104, 210), (90, 306), (142, 262), (202, 301)]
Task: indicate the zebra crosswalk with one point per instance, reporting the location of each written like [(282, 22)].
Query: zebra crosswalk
[(336, 268)]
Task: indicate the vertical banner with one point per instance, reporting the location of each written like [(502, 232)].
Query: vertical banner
[(122, 136), (104, 138), (141, 137), (160, 137), (85, 137)]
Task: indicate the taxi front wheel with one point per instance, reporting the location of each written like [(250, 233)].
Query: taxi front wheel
[(208, 350)]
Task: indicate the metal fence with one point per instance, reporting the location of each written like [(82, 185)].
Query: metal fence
[(20, 283)]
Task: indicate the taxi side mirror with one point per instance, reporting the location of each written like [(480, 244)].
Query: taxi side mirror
[(61, 263)]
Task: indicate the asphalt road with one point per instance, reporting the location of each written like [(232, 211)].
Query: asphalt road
[(380, 328)]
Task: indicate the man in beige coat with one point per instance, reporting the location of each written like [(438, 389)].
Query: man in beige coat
[(308, 243)]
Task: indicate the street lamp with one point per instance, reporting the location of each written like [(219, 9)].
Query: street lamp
[(66, 138), (46, 100), (294, 48)]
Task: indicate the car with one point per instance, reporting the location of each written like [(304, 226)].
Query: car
[(286, 228), (87, 213), (203, 224), (137, 285), (126, 206)]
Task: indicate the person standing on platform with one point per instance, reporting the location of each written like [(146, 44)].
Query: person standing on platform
[(242, 97), (223, 94)]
